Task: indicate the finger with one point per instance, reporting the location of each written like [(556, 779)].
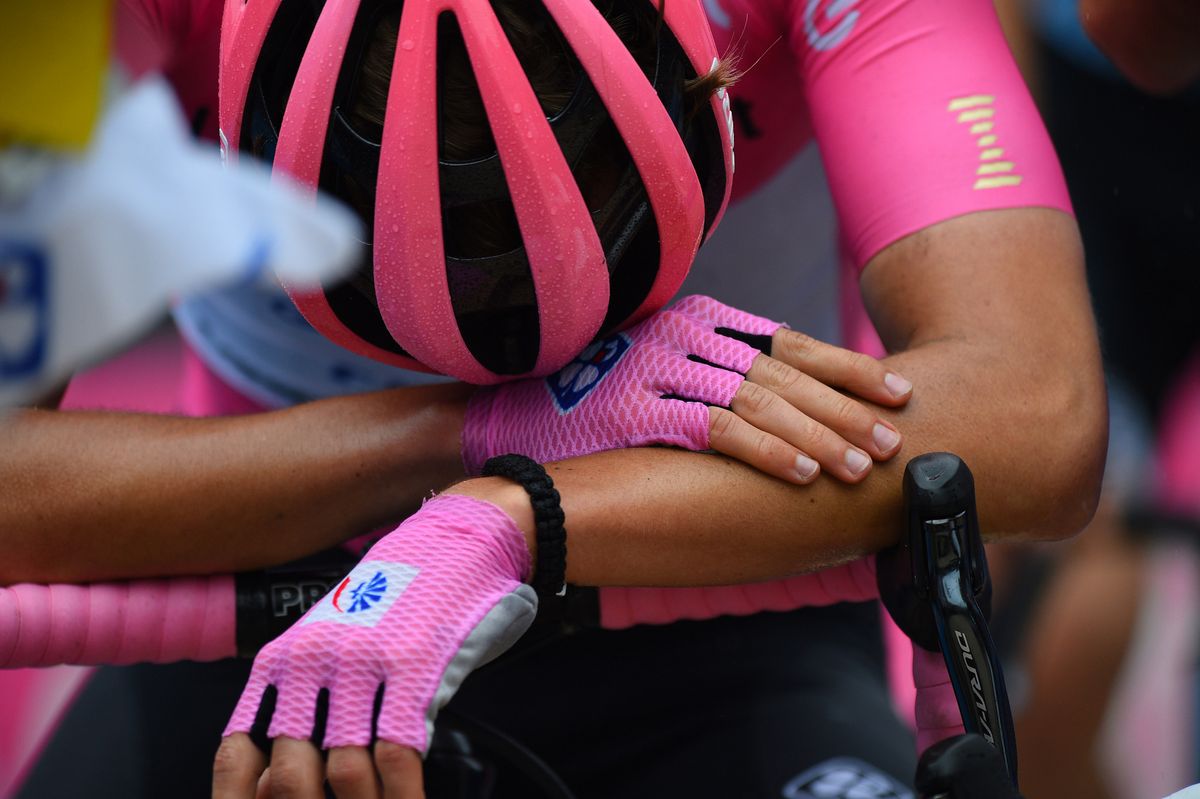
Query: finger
[(400, 771), (731, 435), (855, 372), (351, 773), (236, 768), (264, 785), (296, 770), (845, 417)]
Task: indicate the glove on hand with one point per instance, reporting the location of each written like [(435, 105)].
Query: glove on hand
[(631, 389), (434, 599)]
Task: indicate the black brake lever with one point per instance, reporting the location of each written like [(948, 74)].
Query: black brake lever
[(936, 587)]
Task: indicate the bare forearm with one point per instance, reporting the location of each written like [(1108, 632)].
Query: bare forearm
[(88, 495), (1016, 391), (668, 517)]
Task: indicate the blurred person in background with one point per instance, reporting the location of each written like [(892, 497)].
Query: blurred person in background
[(1101, 629)]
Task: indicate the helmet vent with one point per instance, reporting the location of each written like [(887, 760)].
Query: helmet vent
[(487, 271)]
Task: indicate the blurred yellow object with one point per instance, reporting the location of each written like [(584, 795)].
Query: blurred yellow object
[(54, 57)]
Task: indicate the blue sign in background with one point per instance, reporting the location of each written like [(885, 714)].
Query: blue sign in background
[(24, 309)]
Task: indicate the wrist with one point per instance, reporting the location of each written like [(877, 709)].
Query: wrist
[(509, 497)]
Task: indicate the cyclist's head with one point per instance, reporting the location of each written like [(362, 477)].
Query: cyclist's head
[(533, 172)]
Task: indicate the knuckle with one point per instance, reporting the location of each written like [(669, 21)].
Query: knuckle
[(390, 756), (846, 411), (860, 363), (755, 398), (816, 438), (779, 375), (766, 448), (798, 345), (346, 772), (287, 779), (722, 424), (229, 761)]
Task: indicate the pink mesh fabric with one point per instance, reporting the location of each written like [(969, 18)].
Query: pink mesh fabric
[(626, 607), (716, 314), (614, 394), (434, 599)]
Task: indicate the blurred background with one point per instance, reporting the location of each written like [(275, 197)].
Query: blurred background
[(1099, 633)]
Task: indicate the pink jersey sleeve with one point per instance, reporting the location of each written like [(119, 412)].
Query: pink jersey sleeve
[(179, 38), (920, 115)]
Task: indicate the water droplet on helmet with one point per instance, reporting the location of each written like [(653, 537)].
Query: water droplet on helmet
[(516, 108), (407, 44)]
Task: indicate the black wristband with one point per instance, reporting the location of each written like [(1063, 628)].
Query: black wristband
[(549, 574)]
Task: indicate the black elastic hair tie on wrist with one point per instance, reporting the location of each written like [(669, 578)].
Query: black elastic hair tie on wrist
[(550, 572)]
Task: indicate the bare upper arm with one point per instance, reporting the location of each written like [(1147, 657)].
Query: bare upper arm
[(989, 315), (1012, 279)]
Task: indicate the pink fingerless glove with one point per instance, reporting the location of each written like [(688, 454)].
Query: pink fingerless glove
[(434, 599), (631, 389)]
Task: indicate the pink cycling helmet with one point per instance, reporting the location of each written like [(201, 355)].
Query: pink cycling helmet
[(289, 70)]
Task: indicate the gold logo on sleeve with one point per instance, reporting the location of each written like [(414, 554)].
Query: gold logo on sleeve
[(977, 112)]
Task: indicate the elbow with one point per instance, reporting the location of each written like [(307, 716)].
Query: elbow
[(1073, 444)]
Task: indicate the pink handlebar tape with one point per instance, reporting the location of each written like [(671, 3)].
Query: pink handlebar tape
[(118, 623)]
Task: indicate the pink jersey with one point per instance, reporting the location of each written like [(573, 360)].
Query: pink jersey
[(917, 108), (916, 105)]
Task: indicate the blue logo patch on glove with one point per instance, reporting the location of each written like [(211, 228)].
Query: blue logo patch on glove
[(24, 310), (364, 595), (570, 385)]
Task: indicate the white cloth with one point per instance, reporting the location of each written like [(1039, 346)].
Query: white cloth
[(1192, 792), (93, 249)]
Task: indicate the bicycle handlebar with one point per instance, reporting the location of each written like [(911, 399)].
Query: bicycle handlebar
[(935, 584), (161, 620), (157, 621)]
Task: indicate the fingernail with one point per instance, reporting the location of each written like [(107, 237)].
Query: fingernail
[(885, 437), (857, 461), (897, 385), (806, 467)]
